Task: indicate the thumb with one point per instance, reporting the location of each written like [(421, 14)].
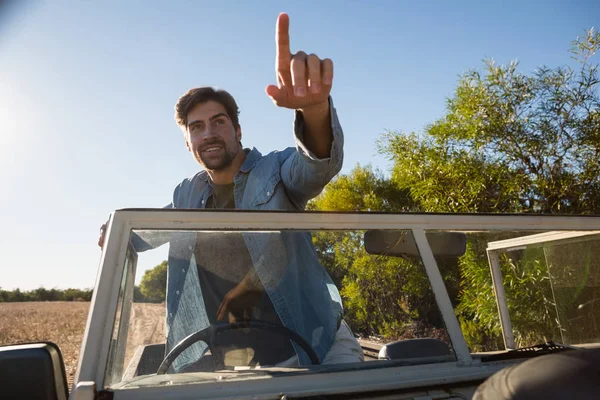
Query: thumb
[(274, 93), (221, 312)]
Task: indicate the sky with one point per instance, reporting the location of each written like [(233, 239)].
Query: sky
[(87, 95)]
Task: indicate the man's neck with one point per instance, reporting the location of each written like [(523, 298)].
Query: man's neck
[(225, 176)]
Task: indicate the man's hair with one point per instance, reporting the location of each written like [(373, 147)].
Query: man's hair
[(201, 95)]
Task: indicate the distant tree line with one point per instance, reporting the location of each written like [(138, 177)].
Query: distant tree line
[(43, 294), (152, 289)]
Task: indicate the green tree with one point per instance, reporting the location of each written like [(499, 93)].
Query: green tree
[(42, 294), (138, 296), (154, 283), (509, 142), (387, 296), (363, 189)]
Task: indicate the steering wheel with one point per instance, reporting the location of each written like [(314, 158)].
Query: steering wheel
[(209, 334)]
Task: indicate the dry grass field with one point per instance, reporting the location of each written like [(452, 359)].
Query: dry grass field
[(60, 322), (64, 323)]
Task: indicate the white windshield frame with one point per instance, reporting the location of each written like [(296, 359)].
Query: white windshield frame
[(95, 348)]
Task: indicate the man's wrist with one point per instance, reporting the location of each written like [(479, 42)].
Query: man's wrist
[(315, 109)]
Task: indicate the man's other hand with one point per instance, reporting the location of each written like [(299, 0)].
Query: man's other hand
[(102, 234), (238, 302)]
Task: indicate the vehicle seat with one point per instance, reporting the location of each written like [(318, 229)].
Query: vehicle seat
[(573, 374), (414, 348)]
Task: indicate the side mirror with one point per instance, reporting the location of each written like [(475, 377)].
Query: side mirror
[(33, 371), (402, 243)]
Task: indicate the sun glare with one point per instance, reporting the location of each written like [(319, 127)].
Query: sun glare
[(8, 128), (10, 134)]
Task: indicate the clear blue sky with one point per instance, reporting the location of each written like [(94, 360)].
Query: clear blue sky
[(87, 91)]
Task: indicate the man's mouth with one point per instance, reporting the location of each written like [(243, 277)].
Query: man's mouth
[(211, 149)]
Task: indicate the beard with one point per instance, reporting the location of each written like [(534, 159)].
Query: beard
[(218, 160)]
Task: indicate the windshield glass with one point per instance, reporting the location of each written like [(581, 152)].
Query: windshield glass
[(552, 282), (204, 305), (274, 299)]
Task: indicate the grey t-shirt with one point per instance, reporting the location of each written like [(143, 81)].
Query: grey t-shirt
[(223, 261)]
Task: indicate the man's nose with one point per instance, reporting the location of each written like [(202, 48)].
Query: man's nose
[(208, 133)]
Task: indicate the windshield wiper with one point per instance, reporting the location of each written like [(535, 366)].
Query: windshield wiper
[(528, 352)]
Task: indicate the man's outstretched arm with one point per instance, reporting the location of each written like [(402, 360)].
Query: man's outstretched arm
[(304, 84)]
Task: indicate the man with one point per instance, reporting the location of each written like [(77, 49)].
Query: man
[(273, 277)]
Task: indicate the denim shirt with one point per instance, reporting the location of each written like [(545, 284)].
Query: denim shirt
[(303, 294)]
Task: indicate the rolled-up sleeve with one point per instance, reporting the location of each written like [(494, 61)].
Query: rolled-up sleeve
[(303, 174)]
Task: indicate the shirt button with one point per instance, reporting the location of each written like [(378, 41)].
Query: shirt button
[(268, 193), (182, 269), (190, 247), (202, 201), (171, 315)]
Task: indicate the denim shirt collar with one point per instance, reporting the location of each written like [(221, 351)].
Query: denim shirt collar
[(252, 156)]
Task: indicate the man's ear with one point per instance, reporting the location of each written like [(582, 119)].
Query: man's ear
[(238, 134), (187, 143)]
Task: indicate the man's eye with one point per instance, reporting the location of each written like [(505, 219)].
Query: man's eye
[(219, 121), (195, 128)]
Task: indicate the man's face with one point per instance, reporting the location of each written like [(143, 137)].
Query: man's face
[(211, 137)]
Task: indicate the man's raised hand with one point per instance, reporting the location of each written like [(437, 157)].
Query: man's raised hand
[(303, 81)]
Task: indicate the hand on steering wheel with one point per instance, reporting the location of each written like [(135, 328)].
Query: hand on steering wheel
[(238, 302)]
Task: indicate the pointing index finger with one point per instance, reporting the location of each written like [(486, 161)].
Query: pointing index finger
[(282, 40)]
